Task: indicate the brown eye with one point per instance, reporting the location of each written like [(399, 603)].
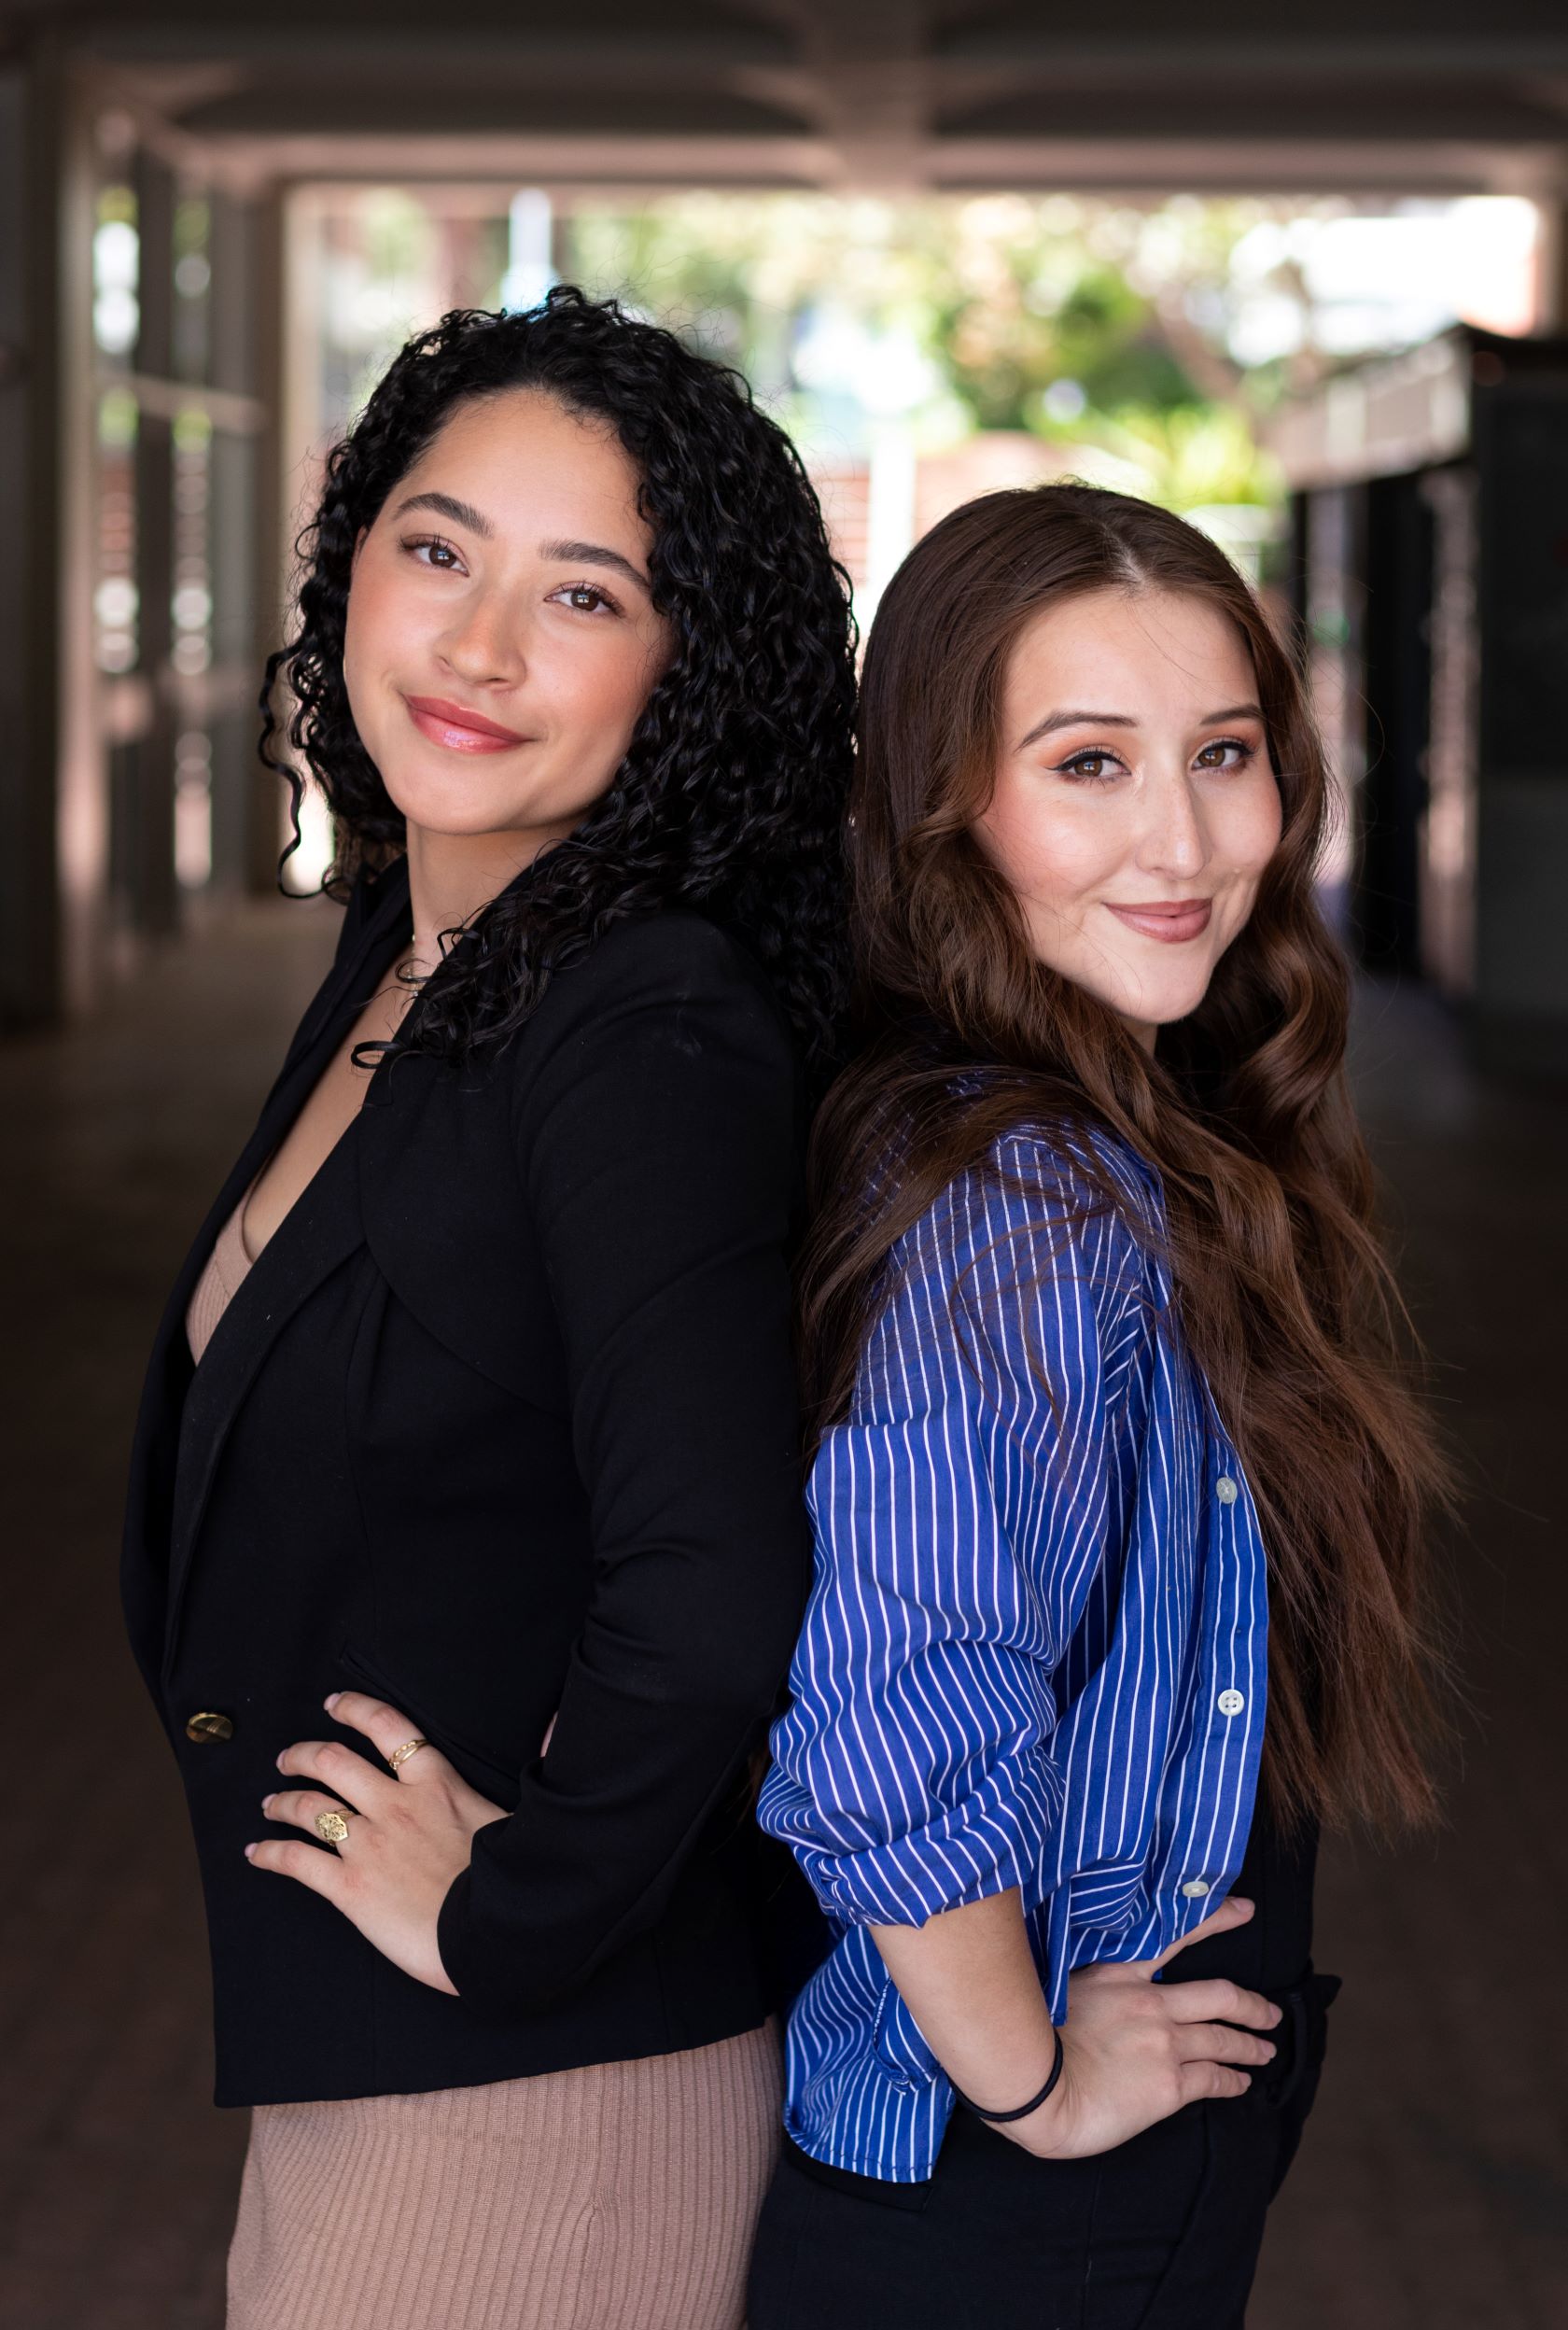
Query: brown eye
[(586, 598), (1224, 752)]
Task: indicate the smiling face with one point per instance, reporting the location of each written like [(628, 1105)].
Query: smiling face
[(1134, 808), (501, 639)]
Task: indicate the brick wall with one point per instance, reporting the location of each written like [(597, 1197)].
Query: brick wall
[(984, 464)]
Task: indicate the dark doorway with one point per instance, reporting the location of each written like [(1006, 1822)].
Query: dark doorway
[(1397, 664)]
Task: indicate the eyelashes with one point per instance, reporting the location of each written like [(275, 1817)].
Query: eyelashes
[(1111, 765), (414, 543), (1245, 754), (439, 557), (588, 590)]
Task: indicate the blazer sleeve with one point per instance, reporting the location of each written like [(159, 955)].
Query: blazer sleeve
[(660, 1150)]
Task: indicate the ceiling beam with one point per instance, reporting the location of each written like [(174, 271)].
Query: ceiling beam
[(894, 96)]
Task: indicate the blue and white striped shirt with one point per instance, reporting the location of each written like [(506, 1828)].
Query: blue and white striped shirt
[(1035, 1652)]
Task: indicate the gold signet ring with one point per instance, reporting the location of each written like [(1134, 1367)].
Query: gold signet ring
[(399, 1756), (331, 1827)]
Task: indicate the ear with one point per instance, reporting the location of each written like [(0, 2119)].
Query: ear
[(358, 546)]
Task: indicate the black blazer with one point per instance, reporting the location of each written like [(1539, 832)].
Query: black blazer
[(503, 1423)]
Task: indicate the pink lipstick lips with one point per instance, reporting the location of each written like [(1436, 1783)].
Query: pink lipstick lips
[(1168, 919), (459, 729)]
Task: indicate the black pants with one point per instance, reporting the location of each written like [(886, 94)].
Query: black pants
[(1161, 2234)]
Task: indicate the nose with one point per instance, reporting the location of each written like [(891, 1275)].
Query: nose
[(1175, 841), (483, 644)]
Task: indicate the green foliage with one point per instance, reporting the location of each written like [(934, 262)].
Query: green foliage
[(1006, 299), (1187, 456)]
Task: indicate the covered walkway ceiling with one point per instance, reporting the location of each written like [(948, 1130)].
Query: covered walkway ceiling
[(1352, 95)]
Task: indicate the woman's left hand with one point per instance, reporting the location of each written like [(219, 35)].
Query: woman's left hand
[(410, 1832)]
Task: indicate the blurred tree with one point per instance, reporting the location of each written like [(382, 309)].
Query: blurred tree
[(1093, 321), (1189, 457)]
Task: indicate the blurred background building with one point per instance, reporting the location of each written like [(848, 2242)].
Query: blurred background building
[(1302, 276), (952, 245)]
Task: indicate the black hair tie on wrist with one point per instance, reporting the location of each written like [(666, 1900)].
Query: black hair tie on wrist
[(999, 2119)]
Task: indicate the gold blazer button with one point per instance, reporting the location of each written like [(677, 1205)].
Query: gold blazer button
[(207, 1726)]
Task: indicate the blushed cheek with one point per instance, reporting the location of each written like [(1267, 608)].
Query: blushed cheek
[(619, 700), (1050, 862), (368, 636), (641, 674), (1253, 854), (1267, 826)]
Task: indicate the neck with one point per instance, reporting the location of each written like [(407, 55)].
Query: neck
[(452, 877)]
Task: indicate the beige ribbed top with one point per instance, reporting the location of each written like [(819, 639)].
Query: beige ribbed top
[(620, 2196), (219, 1283)]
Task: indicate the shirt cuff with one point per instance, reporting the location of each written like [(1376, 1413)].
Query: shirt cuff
[(993, 1839)]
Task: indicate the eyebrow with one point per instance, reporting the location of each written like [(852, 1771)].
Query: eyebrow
[(595, 555), (584, 553), (448, 506), (1054, 720)]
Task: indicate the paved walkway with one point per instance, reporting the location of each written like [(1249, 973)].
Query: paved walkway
[(1433, 2191)]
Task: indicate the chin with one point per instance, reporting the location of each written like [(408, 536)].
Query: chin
[(457, 804), (459, 824), (1162, 1008)]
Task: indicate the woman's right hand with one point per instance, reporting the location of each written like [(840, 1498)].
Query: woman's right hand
[(1135, 2050)]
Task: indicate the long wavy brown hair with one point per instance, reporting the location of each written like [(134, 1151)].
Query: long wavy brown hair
[(1284, 1294)]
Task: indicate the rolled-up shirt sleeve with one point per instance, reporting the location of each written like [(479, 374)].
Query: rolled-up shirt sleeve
[(960, 1513)]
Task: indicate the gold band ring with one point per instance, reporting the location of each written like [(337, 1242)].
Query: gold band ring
[(399, 1756), (331, 1827)]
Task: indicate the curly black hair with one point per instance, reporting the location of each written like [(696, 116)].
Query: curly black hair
[(730, 795)]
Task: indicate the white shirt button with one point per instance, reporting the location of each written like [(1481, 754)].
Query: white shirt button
[(1195, 1887), (1225, 1489), (1230, 1702)]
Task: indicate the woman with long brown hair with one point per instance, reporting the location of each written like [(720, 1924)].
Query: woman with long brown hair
[(1119, 1497)]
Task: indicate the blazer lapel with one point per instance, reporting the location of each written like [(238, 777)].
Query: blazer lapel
[(320, 1231), (164, 1503), (331, 1012)]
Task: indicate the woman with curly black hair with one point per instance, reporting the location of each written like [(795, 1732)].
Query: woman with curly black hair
[(465, 1494)]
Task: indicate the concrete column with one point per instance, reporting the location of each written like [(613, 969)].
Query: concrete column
[(53, 790), (272, 504), (148, 874), (231, 534), (1551, 265), (28, 919)]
